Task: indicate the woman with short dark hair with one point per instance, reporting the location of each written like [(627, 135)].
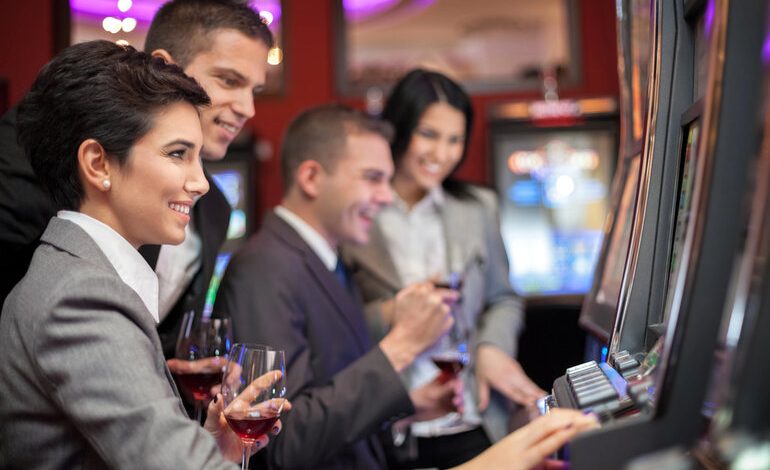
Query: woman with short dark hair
[(115, 137)]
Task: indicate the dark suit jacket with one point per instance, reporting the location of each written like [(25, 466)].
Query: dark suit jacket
[(26, 207), (278, 292)]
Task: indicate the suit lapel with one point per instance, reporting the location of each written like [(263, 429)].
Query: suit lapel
[(375, 258), (345, 301)]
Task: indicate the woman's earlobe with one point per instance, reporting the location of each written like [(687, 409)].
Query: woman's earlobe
[(94, 165)]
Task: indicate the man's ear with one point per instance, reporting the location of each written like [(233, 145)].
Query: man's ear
[(309, 177), (163, 54), (94, 166)]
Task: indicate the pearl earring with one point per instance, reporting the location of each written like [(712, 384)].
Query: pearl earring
[(106, 184)]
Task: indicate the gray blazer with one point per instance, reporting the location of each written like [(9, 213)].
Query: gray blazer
[(83, 381), (488, 300)]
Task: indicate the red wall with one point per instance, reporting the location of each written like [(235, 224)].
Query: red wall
[(310, 55), (26, 37), (26, 42)]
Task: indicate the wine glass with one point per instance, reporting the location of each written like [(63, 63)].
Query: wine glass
[(253, 388), (450, 353), (202, 346)]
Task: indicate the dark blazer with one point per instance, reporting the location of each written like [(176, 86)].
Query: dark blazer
[(278, 292), (211, 215), (84, 384), (26, 208)]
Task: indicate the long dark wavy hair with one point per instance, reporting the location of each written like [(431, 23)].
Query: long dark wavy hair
[(411, 96)]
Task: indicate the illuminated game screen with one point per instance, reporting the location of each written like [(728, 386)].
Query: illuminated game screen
[(233, 184), (612, 274), (554, 187), (684, 204), (232, 178)]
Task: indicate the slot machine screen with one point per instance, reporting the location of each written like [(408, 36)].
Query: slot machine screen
[(600, 315), (683, 216), (232, 178), (554, 187)]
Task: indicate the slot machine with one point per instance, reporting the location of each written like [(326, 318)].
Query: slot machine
[(687, 227), (735, 410)]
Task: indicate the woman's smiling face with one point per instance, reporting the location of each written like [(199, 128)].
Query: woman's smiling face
[(435, 148), (153, 192)]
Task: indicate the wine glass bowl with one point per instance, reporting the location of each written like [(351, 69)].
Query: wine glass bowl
[(450, 361), (201, 351), (254, 390)]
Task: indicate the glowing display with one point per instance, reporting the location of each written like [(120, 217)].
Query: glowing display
[(554, 189)]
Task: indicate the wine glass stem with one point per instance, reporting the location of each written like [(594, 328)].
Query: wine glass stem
[(245, 456), (198, 411)]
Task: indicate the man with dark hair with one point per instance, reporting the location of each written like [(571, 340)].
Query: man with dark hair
[(286, 287), (223, 45)]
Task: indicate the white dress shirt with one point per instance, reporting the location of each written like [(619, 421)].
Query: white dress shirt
[(128, 263), (176, 267), (317, 243), (416, 241)]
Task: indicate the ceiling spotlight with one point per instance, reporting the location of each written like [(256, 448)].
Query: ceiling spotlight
[(124, 5), (111, 24), (129, 24), (275, 56)]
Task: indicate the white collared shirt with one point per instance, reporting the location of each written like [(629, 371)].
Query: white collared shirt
[(417, 244), (128, 263), (317, 243), (176, 267), (415, 237)]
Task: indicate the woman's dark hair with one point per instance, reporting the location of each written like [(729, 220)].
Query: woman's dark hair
[(95, 90), (411, 96)]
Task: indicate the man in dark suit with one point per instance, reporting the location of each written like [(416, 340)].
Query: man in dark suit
[(223, 45), (286, 288)]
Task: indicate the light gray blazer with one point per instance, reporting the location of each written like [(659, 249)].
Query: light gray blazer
[(488, 300), (83, 381)]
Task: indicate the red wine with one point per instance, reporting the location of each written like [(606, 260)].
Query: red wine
[(456, 284), (250, 429), (449, 364), (199, 385)]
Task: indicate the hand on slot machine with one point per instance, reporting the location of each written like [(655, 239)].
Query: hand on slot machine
[(494, 368), (529, 446)]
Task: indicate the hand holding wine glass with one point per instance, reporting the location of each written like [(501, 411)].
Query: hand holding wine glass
[(200, 357), (254, 392), (228, 441)]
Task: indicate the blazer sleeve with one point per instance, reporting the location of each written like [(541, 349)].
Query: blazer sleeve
[(503, 317), (107, 375), (271, 306)]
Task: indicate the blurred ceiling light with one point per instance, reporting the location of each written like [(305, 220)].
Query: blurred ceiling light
[(122, 42), (267, 16), (111, 24), (124, 5), (275, 56), (129, 24)]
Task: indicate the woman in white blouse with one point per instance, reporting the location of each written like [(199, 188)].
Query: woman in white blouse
[(439, 225)]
